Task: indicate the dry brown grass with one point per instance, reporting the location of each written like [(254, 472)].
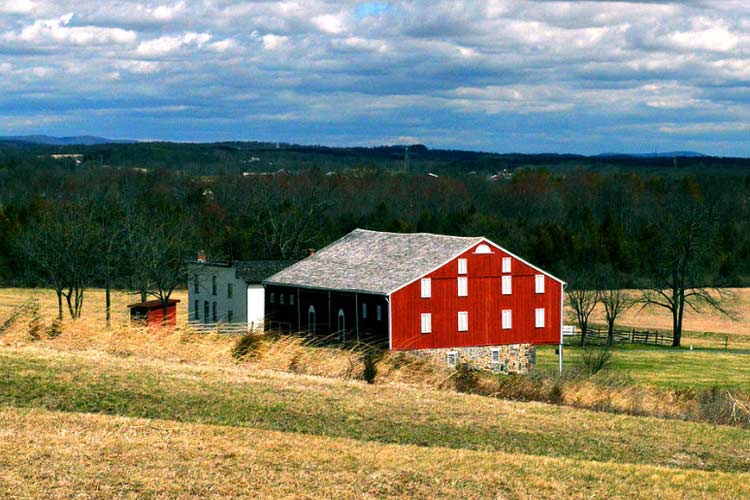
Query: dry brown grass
[(704, 328), (94, 311), (297, 355), (286, 353), (66, 456)]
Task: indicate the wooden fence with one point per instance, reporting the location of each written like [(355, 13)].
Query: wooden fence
[(224, 328), (596, 335)]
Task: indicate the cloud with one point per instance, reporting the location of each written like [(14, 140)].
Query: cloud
[(17, 7), (517, 76), (167, 44), (58, 31), (273, 42)]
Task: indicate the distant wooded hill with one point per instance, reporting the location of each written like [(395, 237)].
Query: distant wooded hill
[(237, 157)]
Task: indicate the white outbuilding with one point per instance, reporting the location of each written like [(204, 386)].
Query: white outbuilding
[(229, 294)]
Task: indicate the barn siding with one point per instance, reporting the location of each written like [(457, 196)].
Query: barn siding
[(484, 305)]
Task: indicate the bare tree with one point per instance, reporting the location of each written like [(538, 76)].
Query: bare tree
[(615, 299), (59, 249), (284, 216), (678, 255), (582, 298), (157, 253), (582, 301)]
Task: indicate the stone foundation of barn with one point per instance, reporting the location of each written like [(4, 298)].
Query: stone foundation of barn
[(515, 358)]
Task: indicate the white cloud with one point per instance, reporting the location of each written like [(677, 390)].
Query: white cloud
[(138, 67), (717, 39), (331, 23), (167, 44), (224, 45), (390, 69), (17, 6), (58, 31), (273, 42), (168, 12)]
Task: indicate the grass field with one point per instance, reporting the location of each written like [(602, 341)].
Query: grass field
[(93, 425), (666, 368), (134, 413)]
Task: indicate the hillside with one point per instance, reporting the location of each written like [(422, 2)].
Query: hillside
[(236, 157), (83, 140), (181, 430)]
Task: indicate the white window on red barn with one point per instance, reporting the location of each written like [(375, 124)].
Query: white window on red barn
[(483, 249), (506, 264), (426, 326), (463, 287), (507, 285), (462, 266), (463, 321), (426, 288), (539, 283), (507, 319), (452, 358), (539, 318), (495, 353)]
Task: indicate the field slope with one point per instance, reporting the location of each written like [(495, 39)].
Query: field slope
[(96, 425)]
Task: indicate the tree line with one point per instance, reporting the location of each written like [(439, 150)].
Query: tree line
[(674, 237)]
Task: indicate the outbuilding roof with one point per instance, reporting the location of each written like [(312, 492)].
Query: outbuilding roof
[(373, 261), (255, 271)]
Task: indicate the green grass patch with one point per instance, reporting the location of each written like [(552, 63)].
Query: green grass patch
[(665, 367), (97, 383)]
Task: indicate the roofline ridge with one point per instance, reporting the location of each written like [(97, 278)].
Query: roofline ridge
[(421, 234)]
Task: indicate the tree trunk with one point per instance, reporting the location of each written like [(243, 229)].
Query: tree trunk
[(584, 330), (676, 327), (610, 332), (108, 300), (59, 305)]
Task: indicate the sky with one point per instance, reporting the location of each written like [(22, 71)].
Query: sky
[(504, 76)]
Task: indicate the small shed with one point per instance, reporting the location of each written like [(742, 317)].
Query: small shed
[(151, 313)]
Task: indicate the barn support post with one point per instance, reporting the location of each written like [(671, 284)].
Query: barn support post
[(562, 315), (390, 324), (299, 313), (356, 313)]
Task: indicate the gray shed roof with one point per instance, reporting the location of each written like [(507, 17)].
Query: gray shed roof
[(255, 271), (374, 262)]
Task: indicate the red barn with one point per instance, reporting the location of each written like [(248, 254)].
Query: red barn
[(455, 299), (151, 313)]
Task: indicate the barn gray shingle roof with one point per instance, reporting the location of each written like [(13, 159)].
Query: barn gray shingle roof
[(374, 262)]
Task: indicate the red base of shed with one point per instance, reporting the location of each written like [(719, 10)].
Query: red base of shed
[(151, 313)]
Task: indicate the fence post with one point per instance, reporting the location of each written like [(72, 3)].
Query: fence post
[(726, 342)]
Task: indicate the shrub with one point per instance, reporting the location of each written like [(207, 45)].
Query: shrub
[(35, 326), (370, 369), (595, 359), (55, 329), (556, 393), (466, 378), (247, 344), (716, 405)]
